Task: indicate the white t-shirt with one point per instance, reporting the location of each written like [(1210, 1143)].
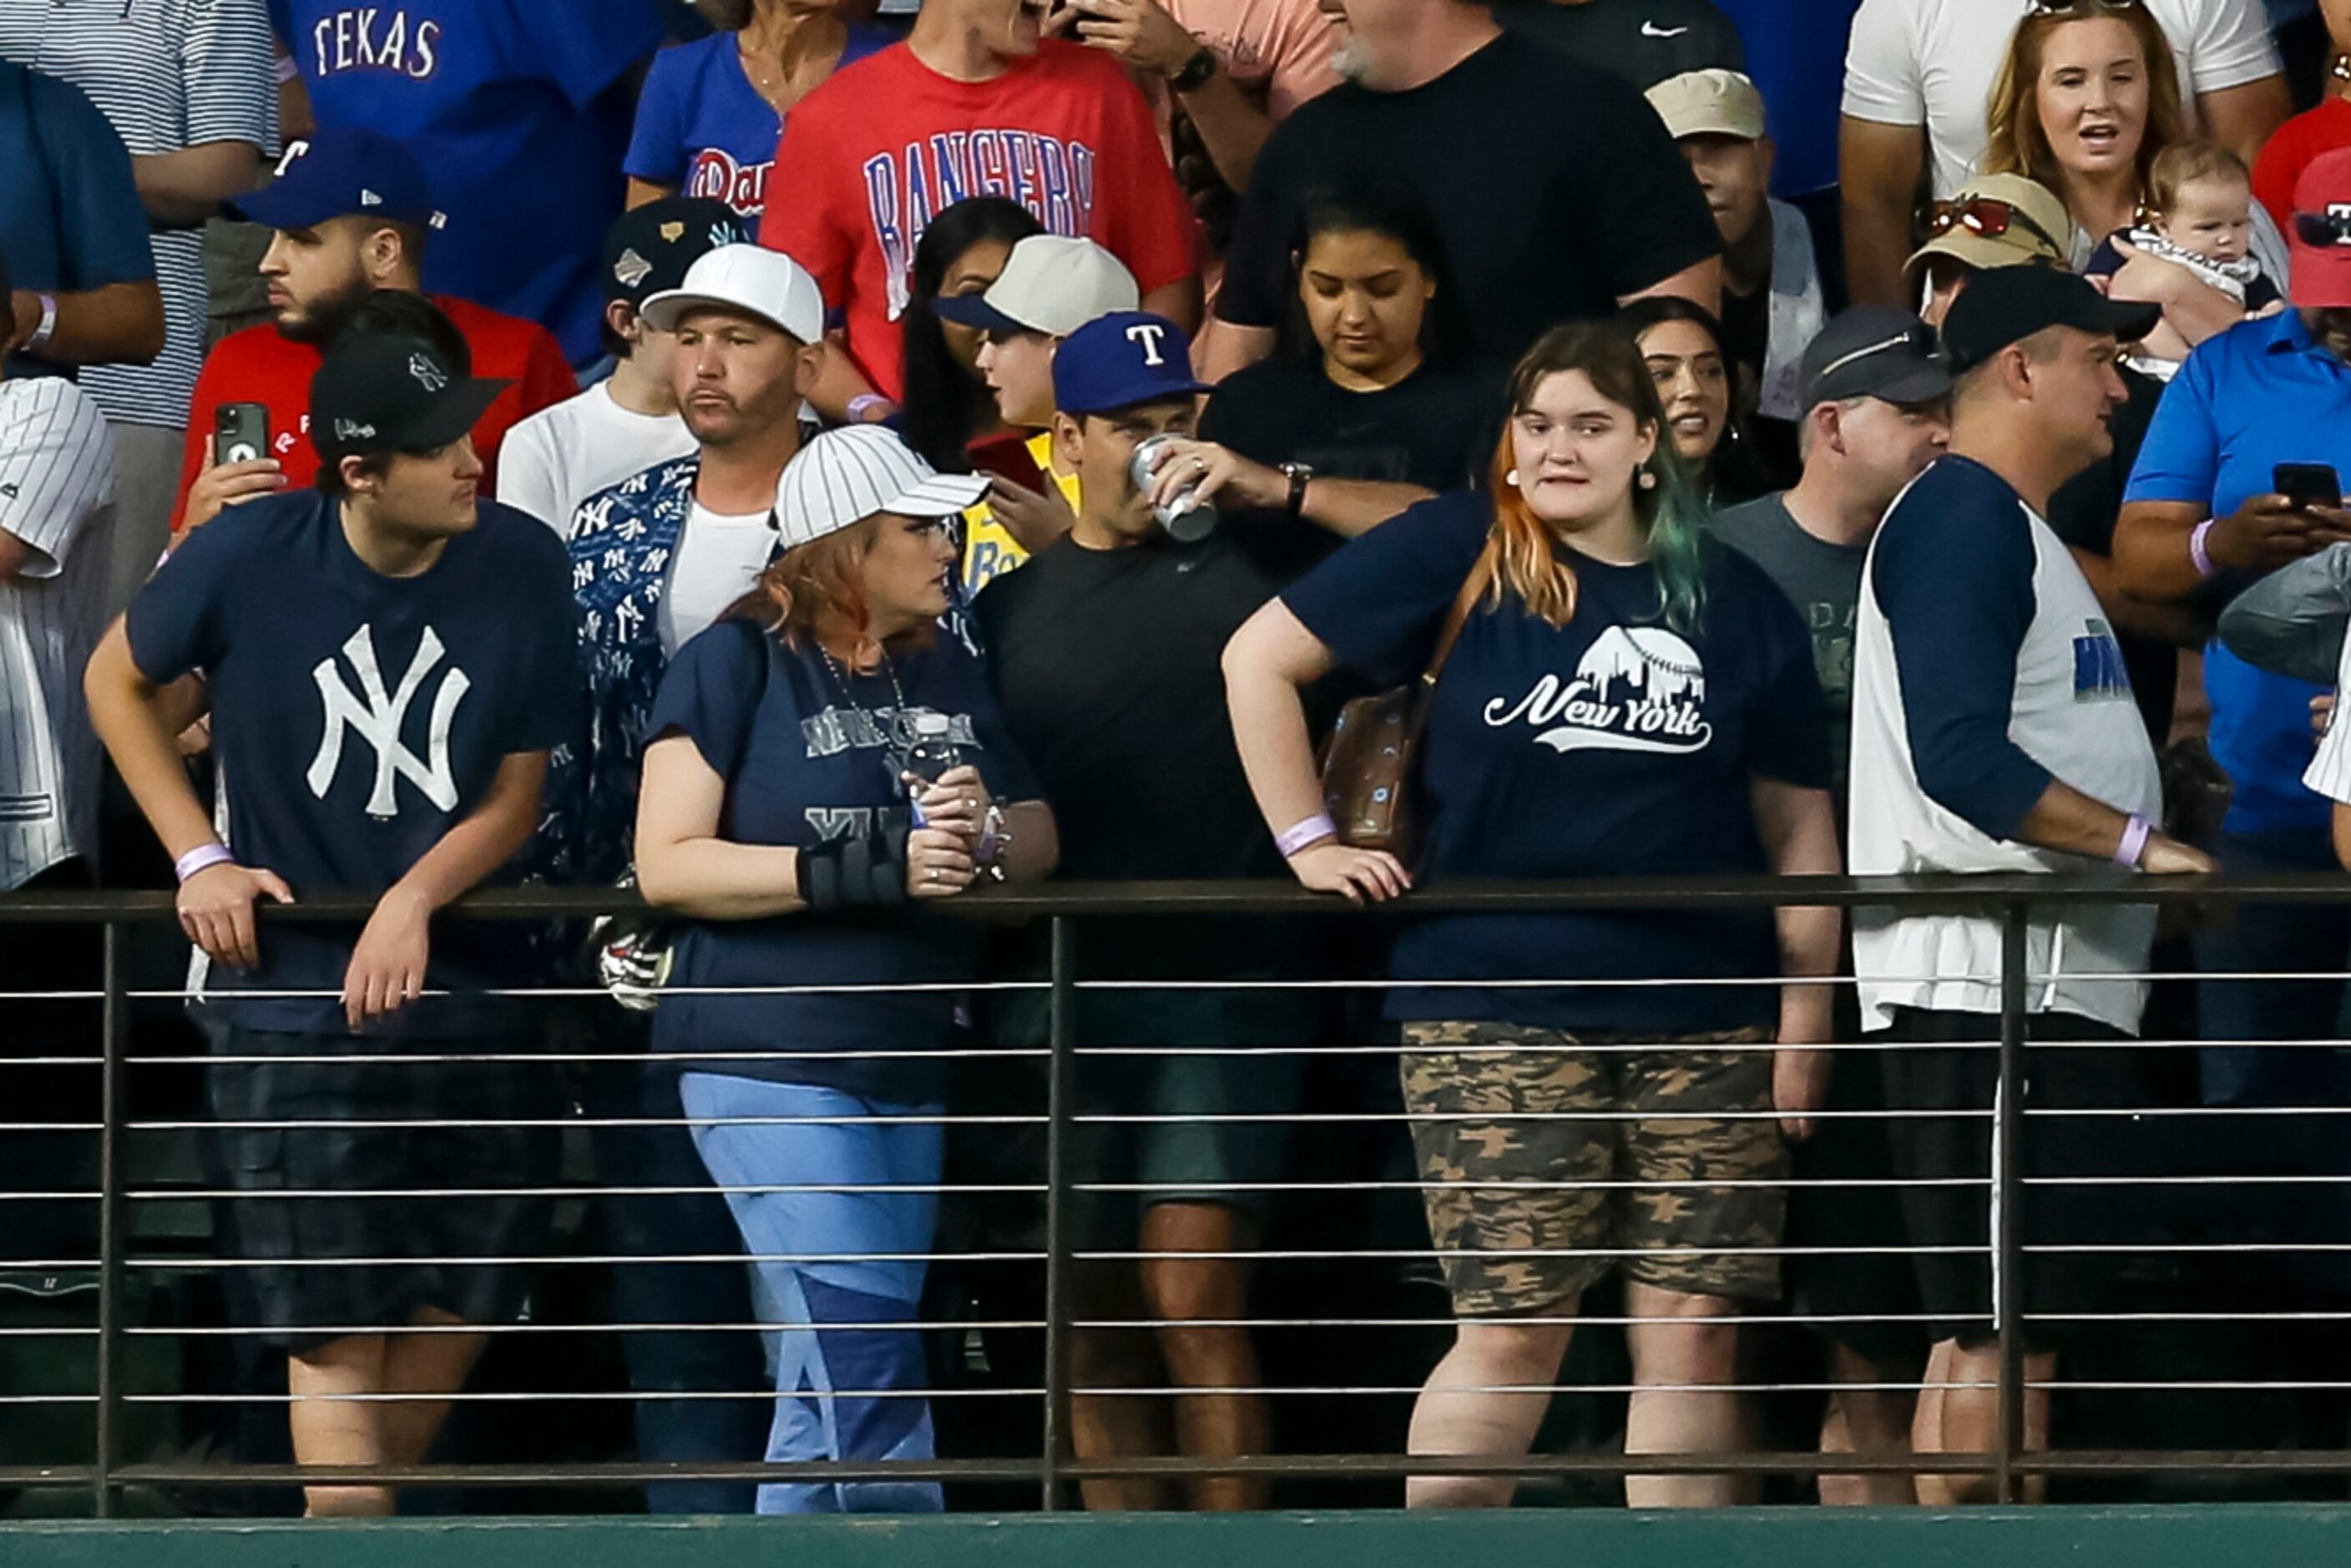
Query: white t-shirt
[(560, 456), (1932, 63), (718, 559)]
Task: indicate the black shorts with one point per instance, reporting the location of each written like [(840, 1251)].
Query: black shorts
[(313, 1184), (1846, 1267), (1959, 1071)]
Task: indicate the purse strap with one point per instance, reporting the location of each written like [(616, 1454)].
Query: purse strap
[(1481, 576)]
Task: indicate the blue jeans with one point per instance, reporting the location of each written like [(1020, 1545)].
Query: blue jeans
[(843, 1390)]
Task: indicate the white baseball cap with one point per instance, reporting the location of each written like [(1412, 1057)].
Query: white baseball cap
[(1051, 285), (746, 277), (846, 475)]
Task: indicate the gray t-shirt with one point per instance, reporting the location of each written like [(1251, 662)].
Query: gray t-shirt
[(1645, 40), (1824, 583)]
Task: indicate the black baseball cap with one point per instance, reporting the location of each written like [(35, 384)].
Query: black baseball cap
[(648, 248), (377, 391), (1873, 351), (2010, 304)]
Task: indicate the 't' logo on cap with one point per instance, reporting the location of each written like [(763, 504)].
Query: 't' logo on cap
[(1148, 337)]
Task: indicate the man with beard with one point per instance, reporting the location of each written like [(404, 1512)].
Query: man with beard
[(351, 210), (655, 560)]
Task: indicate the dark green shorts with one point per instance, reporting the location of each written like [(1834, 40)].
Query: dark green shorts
[(1160, 1123)]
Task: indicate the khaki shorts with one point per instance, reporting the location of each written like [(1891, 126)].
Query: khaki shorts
[(1504, 1118)]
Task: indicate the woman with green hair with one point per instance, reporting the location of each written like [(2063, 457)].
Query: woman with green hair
[(1626, 698)]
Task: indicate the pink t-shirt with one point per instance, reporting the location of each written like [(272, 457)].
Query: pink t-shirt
[(1279, 51)]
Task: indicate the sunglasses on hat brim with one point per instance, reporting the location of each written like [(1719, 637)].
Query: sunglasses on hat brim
[(1989, 217)]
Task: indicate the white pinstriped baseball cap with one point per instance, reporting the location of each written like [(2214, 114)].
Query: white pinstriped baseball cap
[(846, 475)]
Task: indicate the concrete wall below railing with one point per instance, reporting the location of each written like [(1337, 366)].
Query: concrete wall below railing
[(2176, 1537)]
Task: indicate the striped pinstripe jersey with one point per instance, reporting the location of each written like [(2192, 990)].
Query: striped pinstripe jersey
[(57, 498)]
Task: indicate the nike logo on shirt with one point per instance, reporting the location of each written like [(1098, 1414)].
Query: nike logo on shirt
[(1651, 31)]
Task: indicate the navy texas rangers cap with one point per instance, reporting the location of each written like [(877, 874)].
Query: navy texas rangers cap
[(648, 249), (2010, 304), (1120, 360), (342, 174), (386, 392)]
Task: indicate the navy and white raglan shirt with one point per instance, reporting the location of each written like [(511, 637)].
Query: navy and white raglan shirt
[(1617, 746), (807, 761), (356, 720), (1984, 668)]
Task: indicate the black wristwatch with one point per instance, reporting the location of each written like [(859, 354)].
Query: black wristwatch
[(1299, 476), (1195, 72)]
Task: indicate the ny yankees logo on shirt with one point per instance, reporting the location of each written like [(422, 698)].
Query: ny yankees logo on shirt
[(380, 720)]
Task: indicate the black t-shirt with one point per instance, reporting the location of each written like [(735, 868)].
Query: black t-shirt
[(1106, 665), (1644, 41), (2083, 513), (1436, 429), (1552, 187)]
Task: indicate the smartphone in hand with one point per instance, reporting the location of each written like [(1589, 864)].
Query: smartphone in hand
[(2308, 485), (240, 432)]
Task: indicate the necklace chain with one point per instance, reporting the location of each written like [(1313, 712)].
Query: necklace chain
[(897, 693)]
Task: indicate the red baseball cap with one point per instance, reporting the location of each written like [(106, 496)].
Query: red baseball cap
[(2321, 233)]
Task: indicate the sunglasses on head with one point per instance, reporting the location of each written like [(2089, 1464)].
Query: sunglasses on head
[(1989, 217), (2327, 228)]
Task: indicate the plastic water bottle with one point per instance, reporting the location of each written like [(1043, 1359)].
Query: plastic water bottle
[(933, 754)]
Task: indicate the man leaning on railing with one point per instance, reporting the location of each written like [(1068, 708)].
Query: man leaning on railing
[(1994, 731)]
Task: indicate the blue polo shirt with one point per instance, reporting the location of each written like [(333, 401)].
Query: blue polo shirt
[(2261, 393)]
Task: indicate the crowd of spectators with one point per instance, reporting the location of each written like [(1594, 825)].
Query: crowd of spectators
[(811, 465)]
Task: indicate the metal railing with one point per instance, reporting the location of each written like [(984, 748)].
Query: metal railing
[(1066, 909)]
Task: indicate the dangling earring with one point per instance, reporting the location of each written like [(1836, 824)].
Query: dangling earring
[(1511, 478), (1648, 480)]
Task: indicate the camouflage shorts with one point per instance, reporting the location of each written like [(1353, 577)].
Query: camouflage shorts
[(1503, 1116)]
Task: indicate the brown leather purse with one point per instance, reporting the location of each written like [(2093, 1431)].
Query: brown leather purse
[(1371, 766)]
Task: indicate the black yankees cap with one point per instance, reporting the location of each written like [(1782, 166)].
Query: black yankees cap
[(2010, 304), (648, 248), (380, 391)]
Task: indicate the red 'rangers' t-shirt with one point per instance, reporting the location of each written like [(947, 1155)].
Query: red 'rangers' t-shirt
[(262, 365), (870, 156)]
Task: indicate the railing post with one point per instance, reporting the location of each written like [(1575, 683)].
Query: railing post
[(1061, 1076), (2007, 1198), (114, 1029)]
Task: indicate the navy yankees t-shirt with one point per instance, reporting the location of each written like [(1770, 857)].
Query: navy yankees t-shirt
[(356, 720), (1613, 746), (807, 760)]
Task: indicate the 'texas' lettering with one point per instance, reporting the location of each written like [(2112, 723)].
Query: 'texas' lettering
[(377, 38), (904, 189)]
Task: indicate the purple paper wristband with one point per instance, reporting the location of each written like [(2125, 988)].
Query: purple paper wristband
[(2196, 551), (203, 857), (1303, 834), (2136, 832)]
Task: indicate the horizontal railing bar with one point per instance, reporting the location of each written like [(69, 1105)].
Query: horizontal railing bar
[(2092, 885), (1328, 1466)]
